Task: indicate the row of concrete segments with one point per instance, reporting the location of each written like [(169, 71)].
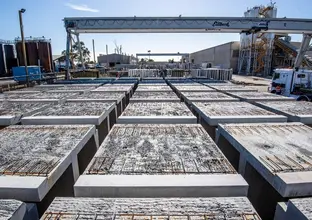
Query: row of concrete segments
[(183, 149)]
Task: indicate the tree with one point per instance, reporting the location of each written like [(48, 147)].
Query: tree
[(75, 55)]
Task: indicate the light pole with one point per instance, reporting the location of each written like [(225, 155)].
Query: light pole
[(20, 12), (149, 55)]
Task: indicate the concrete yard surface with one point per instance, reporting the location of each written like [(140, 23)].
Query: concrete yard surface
[(299, 209), (12, 112), (157, 112), (154, 97), (229, 208), (259, 96), (294, 111), (190, 97), (272, 157), (34, 158), (146, 160)]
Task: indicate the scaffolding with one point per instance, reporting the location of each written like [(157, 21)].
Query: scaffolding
[(255, 55)]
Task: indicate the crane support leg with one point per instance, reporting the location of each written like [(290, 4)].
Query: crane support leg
[(67, 55), (80, 51), (303, 48)]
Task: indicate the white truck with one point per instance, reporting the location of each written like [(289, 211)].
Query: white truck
[(297, 84)]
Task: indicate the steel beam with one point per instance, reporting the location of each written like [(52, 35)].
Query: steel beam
[(187, 25), (67, 55), (306, 39)]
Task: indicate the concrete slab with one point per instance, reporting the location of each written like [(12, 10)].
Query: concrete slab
[(12, 112), (12, 209), (231, 88), (294, 111), (215, 113), (47, 97), (35, 158), (196, 88), (259, 96), (101, 114), (157, 112), (159, 161), (114, 88), (237, 208), (190, 97), (80, 89), (154, 97), (153, 84), (185, 84), (272, 157), (299, 209), (153, 88)]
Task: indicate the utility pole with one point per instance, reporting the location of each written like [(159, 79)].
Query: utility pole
[(93, 50), (20, 12)]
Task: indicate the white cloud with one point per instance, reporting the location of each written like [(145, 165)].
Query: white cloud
[(81, 7)]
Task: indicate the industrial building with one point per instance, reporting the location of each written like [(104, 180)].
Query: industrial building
[(256, 53), (113, 59)]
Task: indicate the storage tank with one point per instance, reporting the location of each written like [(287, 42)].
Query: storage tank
[(19, 53), (2, 63), (10, 59), (45, 56), (32, 53)]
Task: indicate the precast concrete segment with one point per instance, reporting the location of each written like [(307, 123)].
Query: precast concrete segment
[(54, 97), (299, 209), (215, 113), (12, 112), (185, 84), (33, 158), (231, 88), (77, 88), (146, 160), (225, 83), (259, 96), (154, 97), (114, 88), (280, 152), (226, 208), (99, 96), (294, 111), (195, 88), (153, 84), (12, 210), (153, 88), (72, 113), (157, 112), (190, 97)]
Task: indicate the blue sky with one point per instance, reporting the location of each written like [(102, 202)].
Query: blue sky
[(44, 18)]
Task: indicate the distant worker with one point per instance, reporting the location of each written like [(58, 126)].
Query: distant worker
[(278, 90)]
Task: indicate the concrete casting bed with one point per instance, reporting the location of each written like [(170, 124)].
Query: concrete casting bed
[(259, 96), (127, 89), (47, 97), (12, 112), (213, 113), (238, 208), (160, 88), (195, 88), (158, 113), (118, 97), (299, 209), (190, 97), (274, 158), (154, 97), (101, 114), (159, 161), (294, 111), (41, 162), (80, 89), (231, 88)]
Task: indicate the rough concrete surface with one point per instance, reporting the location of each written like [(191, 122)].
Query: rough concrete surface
[(111, 88), (230, 109), (101, 95), (153, 88), (9, 209), (43, 95), (76, 109), (303, 206), (75, 88), (283, 147), (230, 208), (290, 108), (20, 108), (193, 88), (154, 95), (232, 88), (36, 150), (261, 96), (193, 96), (157, 109), (158, 149)]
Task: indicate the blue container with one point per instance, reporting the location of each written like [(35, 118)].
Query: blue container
[(34, 73)]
